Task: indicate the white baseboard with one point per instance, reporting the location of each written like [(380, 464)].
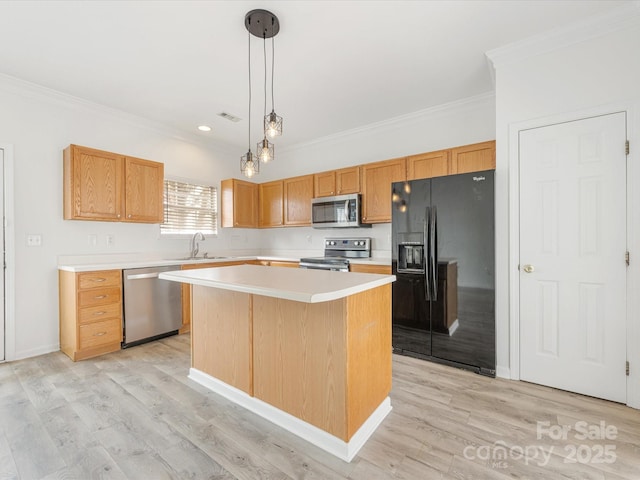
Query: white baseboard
[(503, 372), (312, 434), (35, 352)]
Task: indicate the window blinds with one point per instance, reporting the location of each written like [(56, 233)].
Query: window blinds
[(189, 208)]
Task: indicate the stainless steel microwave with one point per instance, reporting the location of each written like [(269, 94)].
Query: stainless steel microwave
[(338, 211)]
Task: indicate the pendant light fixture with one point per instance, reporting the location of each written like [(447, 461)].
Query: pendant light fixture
[(272, 122), (265, 149), (249, 164), (262, 24)]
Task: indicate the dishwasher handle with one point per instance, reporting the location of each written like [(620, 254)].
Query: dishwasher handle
[(140, 276)]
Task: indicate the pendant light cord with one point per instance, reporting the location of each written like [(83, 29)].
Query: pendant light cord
[(264, 45), (249, 49), (273, 54)]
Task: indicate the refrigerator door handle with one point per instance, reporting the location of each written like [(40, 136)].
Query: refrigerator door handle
[(433, 253), (426, 252)]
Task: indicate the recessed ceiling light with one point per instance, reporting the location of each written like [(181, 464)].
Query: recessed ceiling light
[(204, 128)]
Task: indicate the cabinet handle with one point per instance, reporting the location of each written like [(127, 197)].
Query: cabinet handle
[(99, 313), (99, 279), (97, 297), (118, 216), (99, 334), (129, 216)]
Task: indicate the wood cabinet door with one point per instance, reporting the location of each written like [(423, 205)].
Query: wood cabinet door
[(144, 185), (428, 165), (348, 180), (92, 184), (239, 204), (324, 184), (298, 192), (376, 188), (270, 199), (474, 158)]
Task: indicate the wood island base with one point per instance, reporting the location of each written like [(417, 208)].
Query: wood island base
[(312, 354)]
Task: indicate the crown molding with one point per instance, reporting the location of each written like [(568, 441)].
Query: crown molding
[(17, 86), (400, 121), (626, 16)]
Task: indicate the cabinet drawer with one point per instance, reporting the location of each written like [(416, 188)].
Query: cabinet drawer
[(99, 296), (100, 333), (105, 278), (100, 312)]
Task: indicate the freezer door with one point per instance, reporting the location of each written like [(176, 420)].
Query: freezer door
[(463, 314)]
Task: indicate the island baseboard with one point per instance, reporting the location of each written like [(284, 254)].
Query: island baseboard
[(344, 450)]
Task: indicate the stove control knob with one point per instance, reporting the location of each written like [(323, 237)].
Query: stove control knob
[(333, 243)]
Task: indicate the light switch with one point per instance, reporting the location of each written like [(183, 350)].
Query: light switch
[(34, 240), (92, 239)]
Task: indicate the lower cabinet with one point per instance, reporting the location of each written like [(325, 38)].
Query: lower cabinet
[(360, 268), (90, 313)]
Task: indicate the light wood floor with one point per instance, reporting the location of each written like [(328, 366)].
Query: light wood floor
[(134, 414)]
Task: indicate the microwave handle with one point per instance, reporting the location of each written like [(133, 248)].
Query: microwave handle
[(346, 210)]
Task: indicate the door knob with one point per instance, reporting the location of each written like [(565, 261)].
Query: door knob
[(528, 268)]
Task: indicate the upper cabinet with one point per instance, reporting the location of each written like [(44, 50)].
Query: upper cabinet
[(144, 185), (337, 182), (298, 192), (428, 165), (324, 184), (106, 186), (270, 200), (348, 180), (376, 188), (239, 204), (288, 201), (473, 158)]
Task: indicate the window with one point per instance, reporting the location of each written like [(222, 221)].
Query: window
[(189, 208)]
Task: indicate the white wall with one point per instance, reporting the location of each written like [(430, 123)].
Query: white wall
[(39, 125), (596, 69)]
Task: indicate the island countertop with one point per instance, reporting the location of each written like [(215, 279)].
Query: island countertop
[(297, 284)]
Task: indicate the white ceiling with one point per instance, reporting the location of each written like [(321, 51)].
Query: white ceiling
[(339, 65)]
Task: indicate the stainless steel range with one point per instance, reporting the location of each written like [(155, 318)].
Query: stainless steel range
[(337, 252)]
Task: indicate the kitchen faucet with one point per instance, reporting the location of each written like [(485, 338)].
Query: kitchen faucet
[(194, 243)]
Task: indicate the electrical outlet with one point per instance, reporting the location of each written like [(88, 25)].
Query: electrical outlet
[(111, 240), (34, 240)]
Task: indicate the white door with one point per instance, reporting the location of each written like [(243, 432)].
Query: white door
[(572, 256), (2, 250)]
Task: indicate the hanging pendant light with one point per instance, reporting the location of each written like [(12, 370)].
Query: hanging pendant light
[(272, 122), (249, 164), (266, 149), (262, 24)]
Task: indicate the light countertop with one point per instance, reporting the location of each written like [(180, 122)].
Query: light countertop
[(297, 284), (93, 263)]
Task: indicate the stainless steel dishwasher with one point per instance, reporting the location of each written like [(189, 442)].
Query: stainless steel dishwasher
[(152, 307)]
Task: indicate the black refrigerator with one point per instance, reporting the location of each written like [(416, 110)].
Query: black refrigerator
[(443, 257)]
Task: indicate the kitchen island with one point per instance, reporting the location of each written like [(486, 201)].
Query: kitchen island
[(309, 350)]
